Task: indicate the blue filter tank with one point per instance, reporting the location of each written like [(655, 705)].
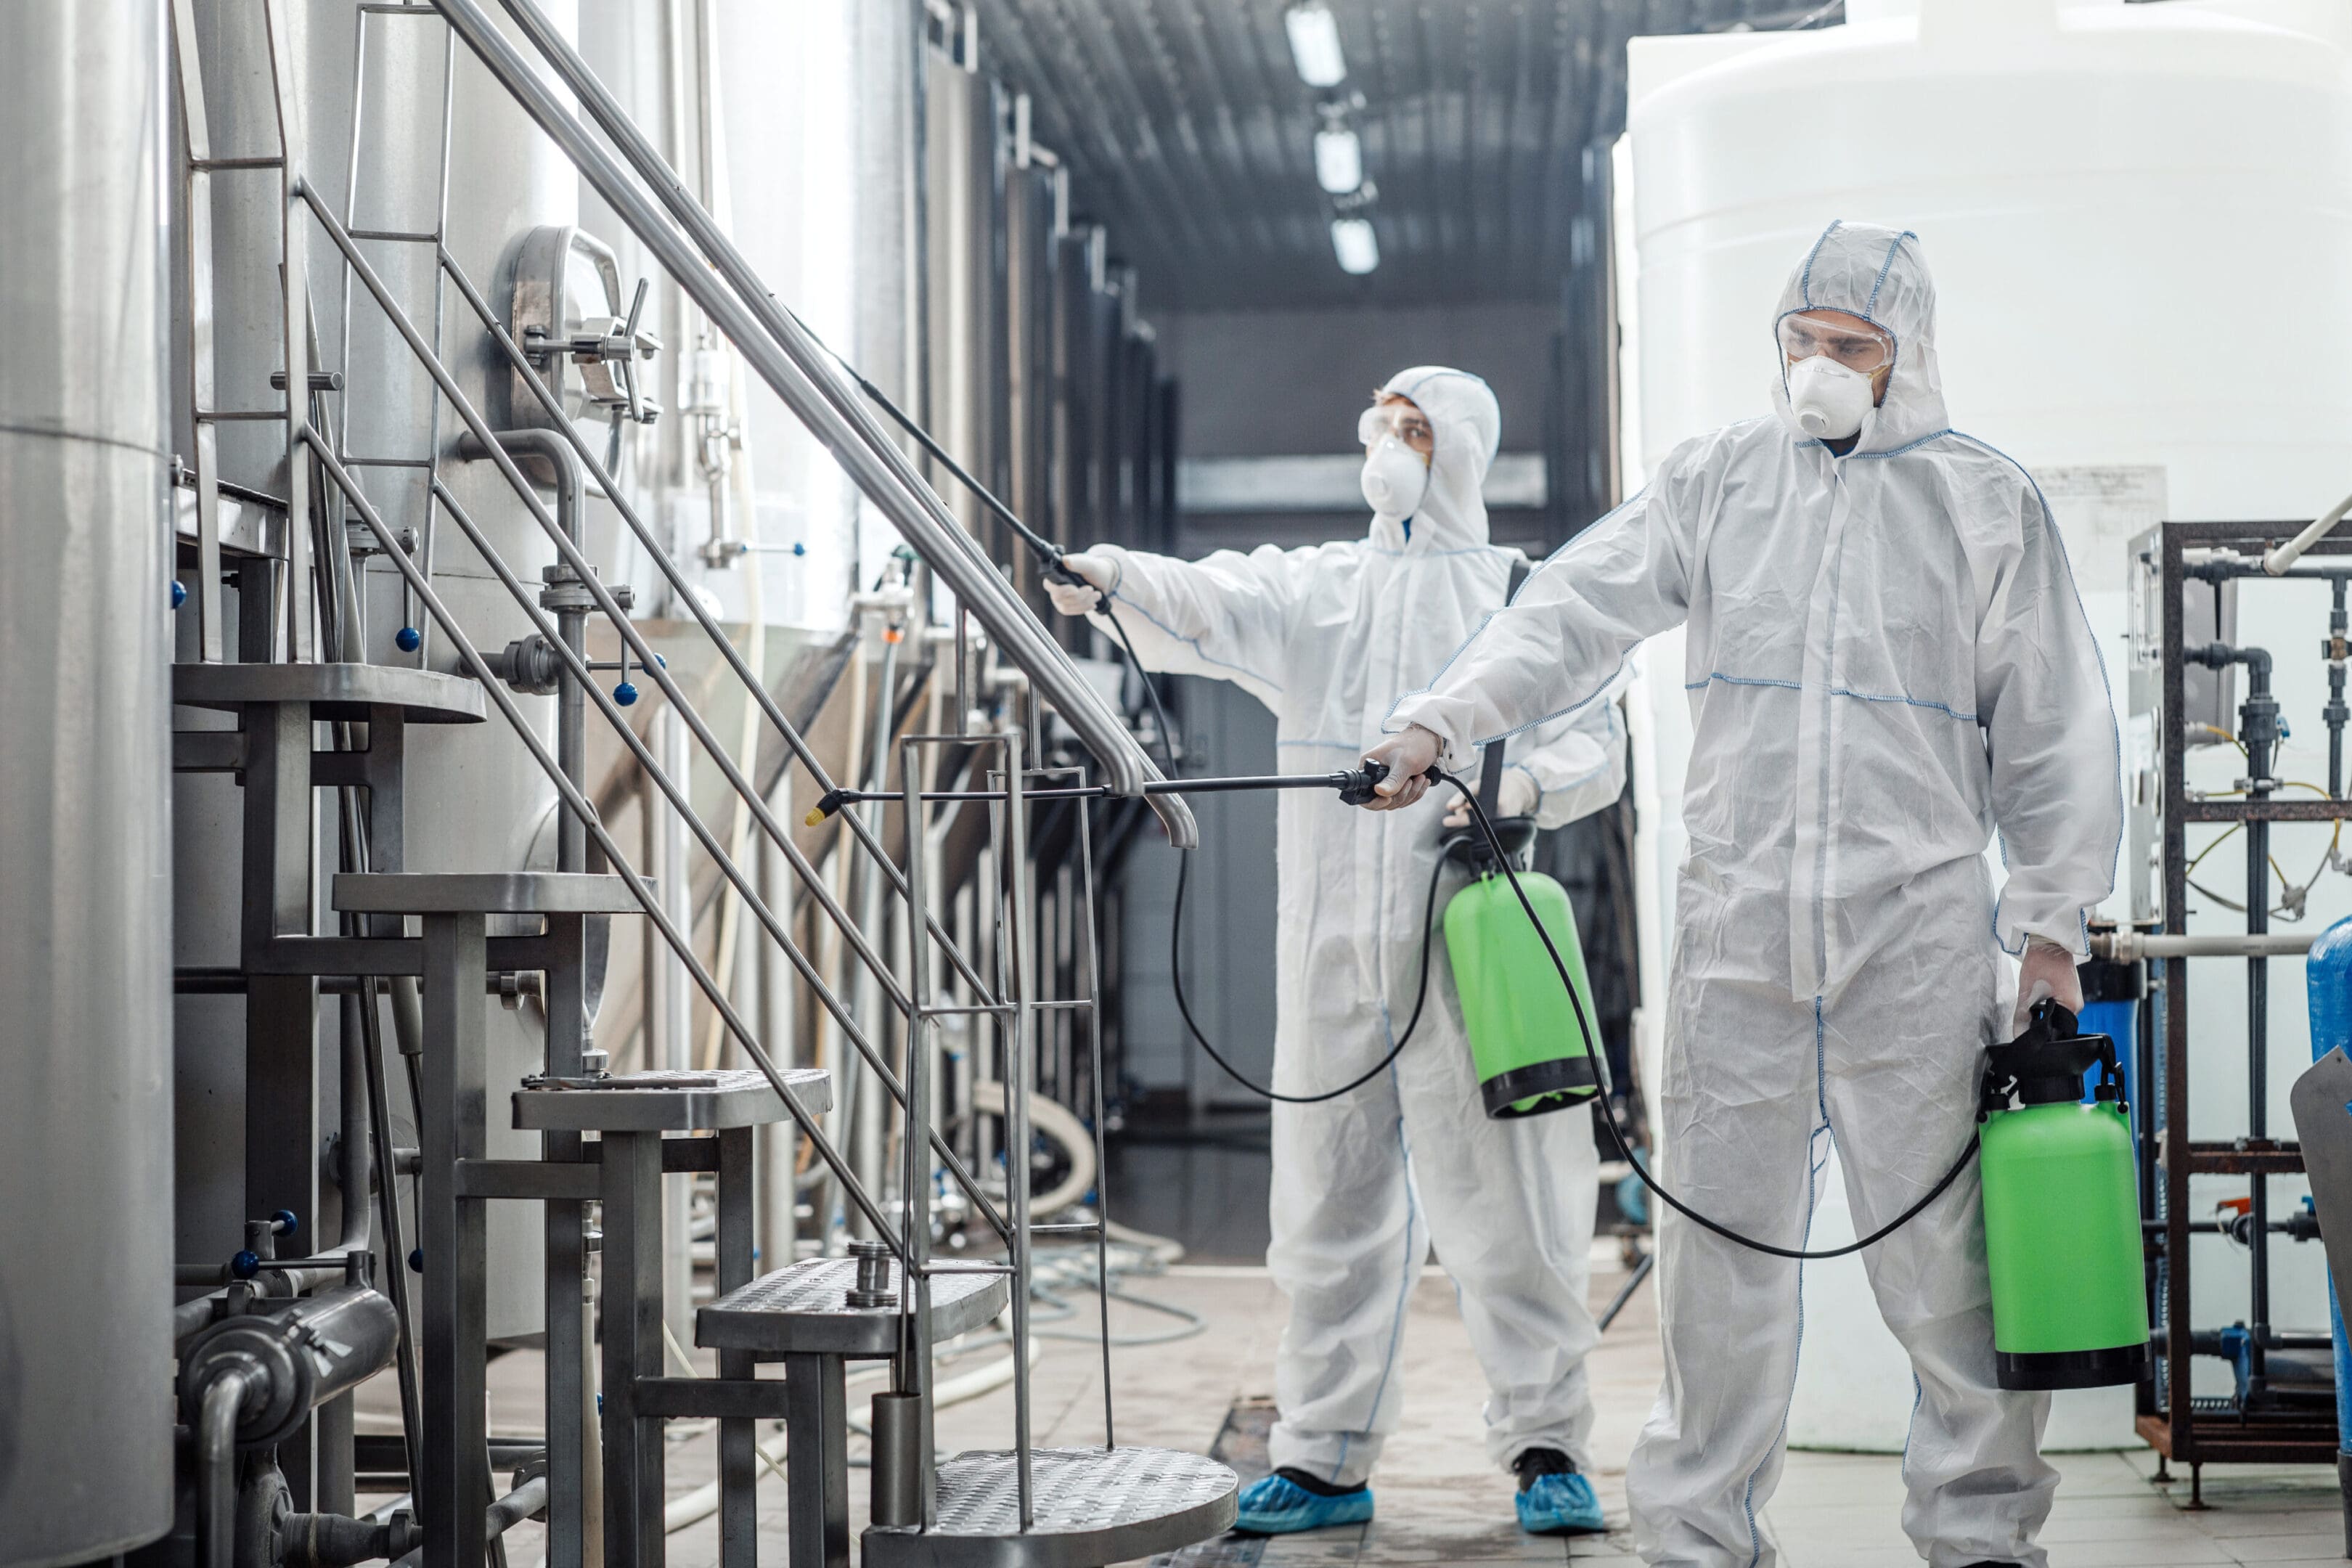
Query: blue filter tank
[(2112, 993), (2328, 976)]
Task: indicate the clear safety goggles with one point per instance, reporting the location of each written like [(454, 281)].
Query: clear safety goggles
[(1857, 344), (1401, 420)]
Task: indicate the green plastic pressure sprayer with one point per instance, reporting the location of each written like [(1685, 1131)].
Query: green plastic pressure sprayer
[(1525, 1039), (2061, 1212)]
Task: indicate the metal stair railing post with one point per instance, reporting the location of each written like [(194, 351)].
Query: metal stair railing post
[(495, 452), (1019, 1067), (294, 286), (1091, 1003), (779, 353), (430, 464), (197, 216)]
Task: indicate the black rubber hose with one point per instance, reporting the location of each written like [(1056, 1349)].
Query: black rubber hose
[(1420, 999)]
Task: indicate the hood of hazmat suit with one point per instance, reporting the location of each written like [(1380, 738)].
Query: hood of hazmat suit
[(1327, 636), (1886, 665)]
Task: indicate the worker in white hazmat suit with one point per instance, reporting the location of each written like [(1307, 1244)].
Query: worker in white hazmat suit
[(1327, 638), (1886, 663)]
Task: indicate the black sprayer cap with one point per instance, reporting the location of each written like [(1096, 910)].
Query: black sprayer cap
[(2044, 1066)]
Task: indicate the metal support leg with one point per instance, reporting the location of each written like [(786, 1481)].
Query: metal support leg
[(632, 1347), (566, 1262), (281, 1145), (817, 1439), (456, 1460), (738, 1466)]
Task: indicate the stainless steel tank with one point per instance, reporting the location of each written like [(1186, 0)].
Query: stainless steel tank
[(84, 834)]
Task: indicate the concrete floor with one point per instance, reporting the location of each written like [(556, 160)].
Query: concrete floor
[(1440, 1501)]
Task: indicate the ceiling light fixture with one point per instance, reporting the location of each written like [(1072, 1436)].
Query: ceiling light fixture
[(1353, 242), (1315, 44), (1339, 161)]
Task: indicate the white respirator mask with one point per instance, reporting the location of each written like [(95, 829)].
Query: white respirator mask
[(1829, 400), (1395, 478)]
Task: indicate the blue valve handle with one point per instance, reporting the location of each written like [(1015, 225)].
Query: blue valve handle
[(407, 639), (285, 1222), (245, 1264), (179, 594)]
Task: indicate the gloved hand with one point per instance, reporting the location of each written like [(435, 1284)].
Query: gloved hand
[(1408, 757), (1516, 798), (1073, 599), (2047, 970)]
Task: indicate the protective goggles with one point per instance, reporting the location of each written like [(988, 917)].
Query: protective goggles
[(1401, 420), (1853, 343)]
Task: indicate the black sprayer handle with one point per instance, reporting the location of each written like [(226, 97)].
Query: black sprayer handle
[(1362, 786)]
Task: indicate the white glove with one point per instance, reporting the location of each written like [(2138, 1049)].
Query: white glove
[(2046, 971), (1516, 798), (1408, 757), (1079, 599)]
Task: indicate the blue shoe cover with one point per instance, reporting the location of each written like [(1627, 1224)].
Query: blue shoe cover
[(1276, 1505), (1560, 1505)]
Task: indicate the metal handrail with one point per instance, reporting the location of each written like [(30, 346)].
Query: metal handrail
[(715, 275), (494, 451)]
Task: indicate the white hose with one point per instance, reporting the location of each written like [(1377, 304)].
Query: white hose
[(700, 1504), (1061, 1124), (2277, 561)]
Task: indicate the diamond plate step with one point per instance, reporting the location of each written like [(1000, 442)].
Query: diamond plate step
[(1090, 1507), (802, 1310)]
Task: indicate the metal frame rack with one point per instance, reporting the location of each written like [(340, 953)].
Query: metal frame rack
[(2182, 1429)]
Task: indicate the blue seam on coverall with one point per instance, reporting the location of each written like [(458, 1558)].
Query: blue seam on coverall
[(1714, 676), (2050, 520), (1869, 309)]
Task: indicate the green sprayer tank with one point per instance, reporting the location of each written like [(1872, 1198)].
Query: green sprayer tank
[(2061, 1212), (1530, 1054)]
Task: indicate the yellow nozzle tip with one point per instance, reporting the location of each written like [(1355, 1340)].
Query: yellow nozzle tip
[(816, 818)]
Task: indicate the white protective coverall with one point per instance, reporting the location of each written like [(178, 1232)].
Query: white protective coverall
[(1887, 663), (1327, 636)]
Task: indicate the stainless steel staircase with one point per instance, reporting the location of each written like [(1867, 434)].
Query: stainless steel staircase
[(1020, 1505)]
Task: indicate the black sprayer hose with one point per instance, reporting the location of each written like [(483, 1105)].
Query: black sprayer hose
[(1420, 997), (1607, 1116)]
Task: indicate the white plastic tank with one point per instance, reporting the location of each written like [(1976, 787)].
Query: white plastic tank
[(2139, 218)]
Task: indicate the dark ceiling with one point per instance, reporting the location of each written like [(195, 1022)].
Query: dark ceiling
[(1190, 136)]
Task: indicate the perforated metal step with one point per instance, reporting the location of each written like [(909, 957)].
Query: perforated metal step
[(1091, 1507), (804, 1310)]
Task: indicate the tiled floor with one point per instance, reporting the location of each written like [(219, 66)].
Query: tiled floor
[(1439, 1499)]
